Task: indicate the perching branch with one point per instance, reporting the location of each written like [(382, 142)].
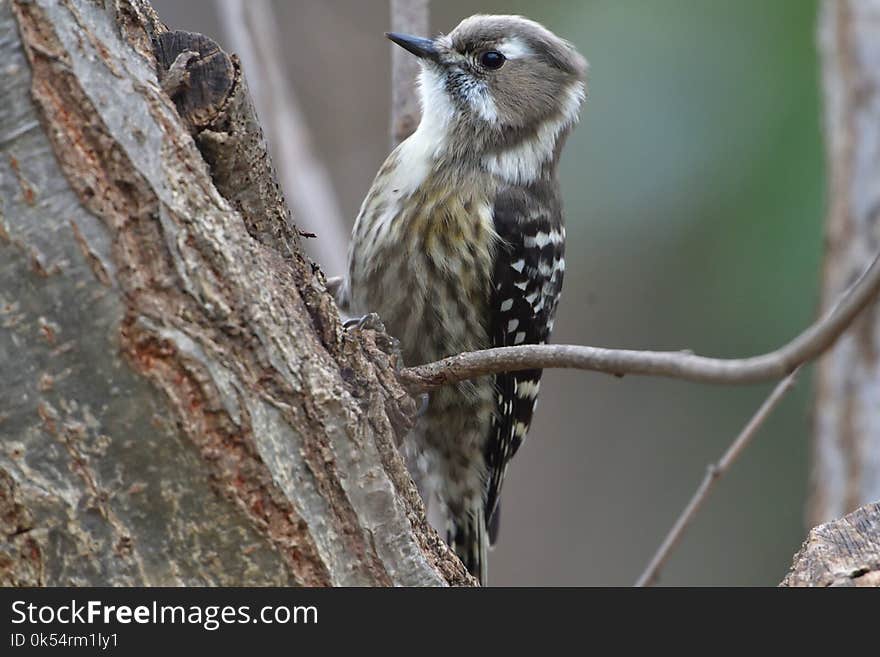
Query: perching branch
[(409, 17), (784, 362), (673, 364), (719, 469), (713, 474), (251, 29)]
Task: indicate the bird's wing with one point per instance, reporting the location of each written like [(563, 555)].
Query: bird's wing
[(527, 281)]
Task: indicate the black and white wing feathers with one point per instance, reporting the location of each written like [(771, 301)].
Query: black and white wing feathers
[(527, 281)]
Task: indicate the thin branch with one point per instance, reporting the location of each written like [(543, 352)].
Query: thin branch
[(713, 474), (251, 28), (743, 440), (409, 17), (677, 365), (176, 79)]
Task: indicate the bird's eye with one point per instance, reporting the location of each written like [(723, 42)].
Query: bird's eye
[(492, 59)]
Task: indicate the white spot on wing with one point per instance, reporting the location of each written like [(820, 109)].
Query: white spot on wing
[(528, 389), (511, 325), (519, 338), (506, 305), (546, 268), (540, 240)]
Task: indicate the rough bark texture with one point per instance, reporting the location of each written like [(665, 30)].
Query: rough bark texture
[(845, 552), (179, 404), (253, 30), (846, 470)]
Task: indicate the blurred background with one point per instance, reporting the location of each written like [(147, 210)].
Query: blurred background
[(694, 195)]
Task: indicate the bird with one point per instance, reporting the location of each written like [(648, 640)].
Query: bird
[(459, 246)]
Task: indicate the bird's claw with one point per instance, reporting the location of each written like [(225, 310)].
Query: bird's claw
[(370, 321)]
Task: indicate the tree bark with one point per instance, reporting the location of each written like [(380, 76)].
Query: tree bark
[(252, 30), (843, 552), (846, 470), (180, 404)]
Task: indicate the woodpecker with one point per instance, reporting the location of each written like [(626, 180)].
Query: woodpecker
[(458, 246)]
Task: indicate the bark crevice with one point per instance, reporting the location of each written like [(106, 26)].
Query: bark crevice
[(224, 390)]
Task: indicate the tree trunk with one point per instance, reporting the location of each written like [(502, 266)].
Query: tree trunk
[(179, 403), (843, 552), (846, 469)]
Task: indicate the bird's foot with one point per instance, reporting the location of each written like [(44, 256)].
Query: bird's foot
[(370, 321)]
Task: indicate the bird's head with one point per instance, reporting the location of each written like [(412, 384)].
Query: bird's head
[(496, 81)]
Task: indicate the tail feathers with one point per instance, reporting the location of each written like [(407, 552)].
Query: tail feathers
[(495, 524), (470, 541)]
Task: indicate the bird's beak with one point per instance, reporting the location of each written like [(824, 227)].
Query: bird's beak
[(422, 48)]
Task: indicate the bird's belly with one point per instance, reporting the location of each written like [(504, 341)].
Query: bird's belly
[(429, 312), (425, 266), (433, 317)]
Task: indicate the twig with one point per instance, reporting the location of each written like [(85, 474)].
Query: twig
[(713, 473), (677, 365), (251, 29), (176, 79), (717, 470), (408, 17)]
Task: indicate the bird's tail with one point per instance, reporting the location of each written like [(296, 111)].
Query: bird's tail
[(471, 541)]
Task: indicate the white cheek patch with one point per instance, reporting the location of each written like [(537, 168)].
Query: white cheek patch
[(514, 48), (417, 153), (438, 114), (481, 101), (438, 110), (474, 92), (522, 164), (437, 107)]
